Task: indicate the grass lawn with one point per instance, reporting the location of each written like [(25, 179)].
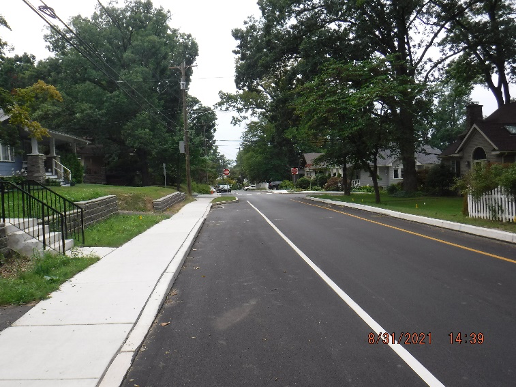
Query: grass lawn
[(445, 208), (119, 229), (129, 198), (27, 279)]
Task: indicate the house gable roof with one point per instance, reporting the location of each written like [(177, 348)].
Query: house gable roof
[(493, 129), (310, 157), (427, 155)]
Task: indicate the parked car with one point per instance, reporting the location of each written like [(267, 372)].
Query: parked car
[(223, 188), (249, 187)]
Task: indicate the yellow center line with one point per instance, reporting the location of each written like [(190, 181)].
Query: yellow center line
[(410, 232)]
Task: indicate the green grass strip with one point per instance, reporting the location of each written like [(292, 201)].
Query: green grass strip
[(42, 276), (119, 229)]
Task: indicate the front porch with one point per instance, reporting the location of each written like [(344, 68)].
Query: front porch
[(43, 162)]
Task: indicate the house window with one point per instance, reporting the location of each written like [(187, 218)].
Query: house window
[(6, 153), (479, 156), (397, 172)]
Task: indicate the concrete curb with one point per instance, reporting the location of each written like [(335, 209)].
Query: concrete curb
[(225, 202), (474, 230), (122, 361)]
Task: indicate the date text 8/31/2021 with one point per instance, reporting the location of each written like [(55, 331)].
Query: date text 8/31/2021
[(423, 338)]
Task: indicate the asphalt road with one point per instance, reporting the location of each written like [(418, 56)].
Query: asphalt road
[(282, 291)]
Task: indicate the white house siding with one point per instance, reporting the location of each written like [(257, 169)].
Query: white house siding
[(384, 177)]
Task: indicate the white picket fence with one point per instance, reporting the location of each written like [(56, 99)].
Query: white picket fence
[(494, 205)]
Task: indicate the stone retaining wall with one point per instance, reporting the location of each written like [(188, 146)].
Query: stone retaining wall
[(168, 201), (98, 209)]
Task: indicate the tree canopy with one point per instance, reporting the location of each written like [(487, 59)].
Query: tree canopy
[(115, 73), (288, 46)]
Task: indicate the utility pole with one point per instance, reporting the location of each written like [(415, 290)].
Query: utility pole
[(183, 68)]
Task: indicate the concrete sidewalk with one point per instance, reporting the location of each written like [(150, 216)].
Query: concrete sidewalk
[(85, 335)]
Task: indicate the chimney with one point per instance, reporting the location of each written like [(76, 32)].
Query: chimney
[(473, 114)]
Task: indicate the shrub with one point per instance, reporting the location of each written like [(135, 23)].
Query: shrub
[(439, 181), (333, 184), (321, 180), (482, 178), (70, 161), (508, 179), (286, 184), (394, 188), (364, 188), (201, 188), (303, 183)]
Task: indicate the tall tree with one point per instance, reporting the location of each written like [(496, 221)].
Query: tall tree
[(3, 43), (114, 71), (294, 37), (484, 32), (449, 113), (345, 109)]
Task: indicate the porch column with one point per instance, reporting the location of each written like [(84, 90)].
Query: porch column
[(34, 144), (35, 163), (52, 152), (36, 167)]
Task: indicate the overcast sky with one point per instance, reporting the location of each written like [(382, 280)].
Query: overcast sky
[(209, 21)]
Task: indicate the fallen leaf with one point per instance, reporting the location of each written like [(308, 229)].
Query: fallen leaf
[(165, 324)]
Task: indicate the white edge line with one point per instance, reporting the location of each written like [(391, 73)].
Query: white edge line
[(410, 360)]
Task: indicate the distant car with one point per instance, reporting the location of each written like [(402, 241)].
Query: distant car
[(275, 184), (224, 188), (251, 186)]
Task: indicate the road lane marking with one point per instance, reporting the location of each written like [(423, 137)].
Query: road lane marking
[(411, 232), (410, 360)]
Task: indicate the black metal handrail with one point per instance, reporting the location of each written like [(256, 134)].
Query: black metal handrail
[(73, 214), (33, 216)]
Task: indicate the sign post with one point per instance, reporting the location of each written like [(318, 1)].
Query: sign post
[(294, 172)]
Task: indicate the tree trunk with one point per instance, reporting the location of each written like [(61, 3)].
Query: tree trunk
[(345, 186), (407, 147), (374, 176)]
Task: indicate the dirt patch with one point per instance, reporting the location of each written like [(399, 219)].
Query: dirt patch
[(14, 264)]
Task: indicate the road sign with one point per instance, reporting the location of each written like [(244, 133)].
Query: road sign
[(226, 172), (294, 171)]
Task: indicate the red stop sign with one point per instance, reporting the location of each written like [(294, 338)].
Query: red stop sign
[(226, 172), (294, 171)]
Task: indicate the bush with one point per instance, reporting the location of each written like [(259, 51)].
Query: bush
[(439, 181), (70, 161), (286, 184), (485, 177), (364, 188), (394, 188), (321, 180), (201, 188), (508, 179), (333, 184), (303, 183)]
